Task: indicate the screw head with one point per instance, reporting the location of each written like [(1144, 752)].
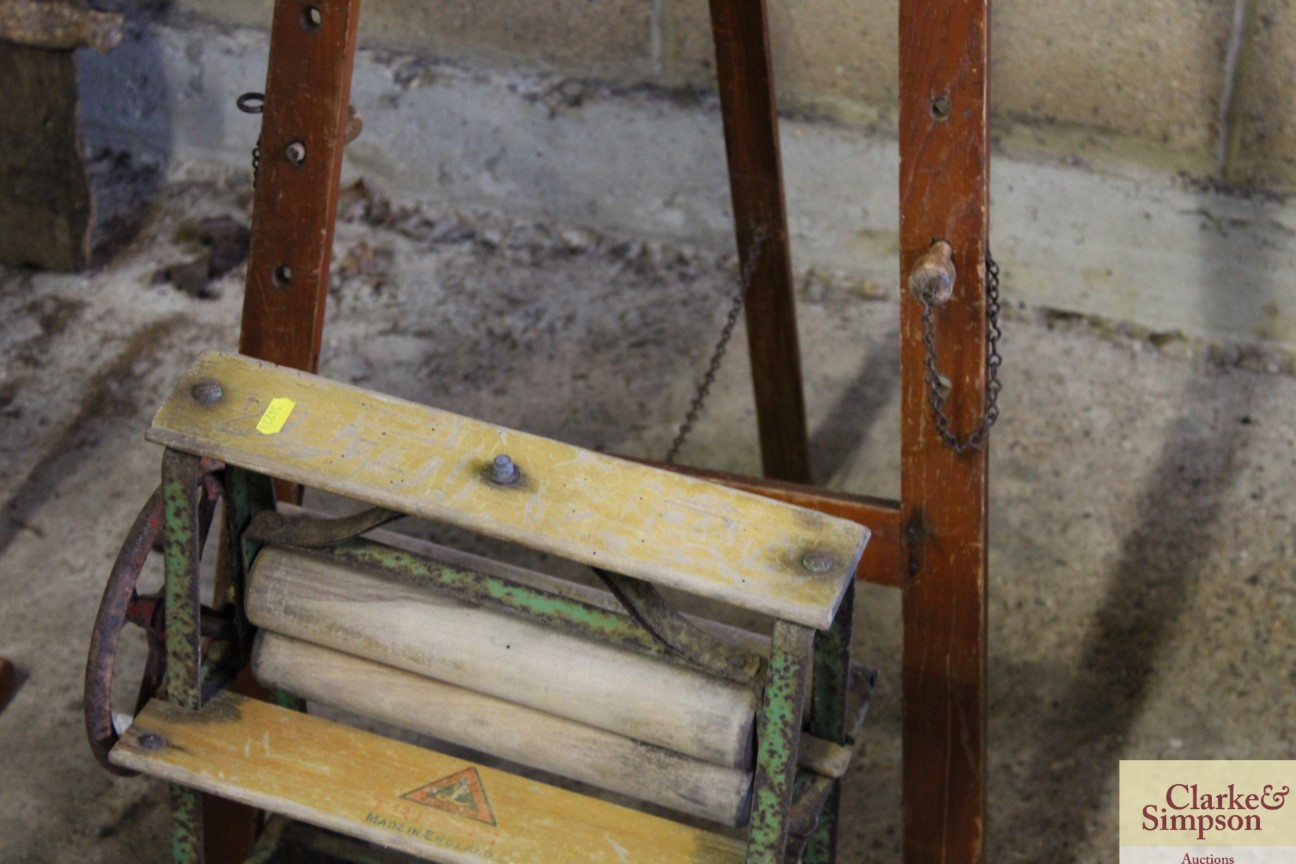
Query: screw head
[(295, 152), (503, 472), (207, 392), (151, 741), (818, 562)]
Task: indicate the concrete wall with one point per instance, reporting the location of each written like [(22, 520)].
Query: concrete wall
[(1195, 86), (595, 113)]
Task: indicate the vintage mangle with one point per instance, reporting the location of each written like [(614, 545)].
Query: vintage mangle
[(616, 690)]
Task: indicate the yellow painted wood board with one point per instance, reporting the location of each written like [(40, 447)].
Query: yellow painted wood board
[(405, 797), (784, 561)]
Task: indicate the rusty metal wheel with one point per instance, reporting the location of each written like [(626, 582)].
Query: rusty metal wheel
[(121, 603)]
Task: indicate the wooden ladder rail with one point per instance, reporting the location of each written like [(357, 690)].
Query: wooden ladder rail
[(944, 194)]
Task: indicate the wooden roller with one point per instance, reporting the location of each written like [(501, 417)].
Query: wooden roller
[(503, 729), (312, 598)]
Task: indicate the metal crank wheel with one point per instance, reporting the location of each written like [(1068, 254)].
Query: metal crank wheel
[(122, 603)]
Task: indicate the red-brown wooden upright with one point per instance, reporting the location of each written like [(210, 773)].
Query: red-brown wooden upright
[(308, 87), (944, 194), (294, 209)]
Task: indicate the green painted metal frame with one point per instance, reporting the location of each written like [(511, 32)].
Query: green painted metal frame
[(181, 547), (190, 671), (778, 731)]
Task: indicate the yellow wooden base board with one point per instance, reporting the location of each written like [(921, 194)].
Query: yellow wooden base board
[(420, 801)]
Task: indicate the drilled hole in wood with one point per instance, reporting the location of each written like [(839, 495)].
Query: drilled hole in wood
[(311, 18), (940, 108), (282, 277)]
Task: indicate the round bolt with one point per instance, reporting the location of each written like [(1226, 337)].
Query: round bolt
[(295, 152), (931, 281), (504, 472), (207, 392), (818, 562), (151, 741)]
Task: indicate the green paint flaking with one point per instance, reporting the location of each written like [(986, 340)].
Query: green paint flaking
[(180, 493), (186, 825), (778, 735)]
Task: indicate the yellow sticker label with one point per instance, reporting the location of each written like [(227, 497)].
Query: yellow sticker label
[(276, 415)]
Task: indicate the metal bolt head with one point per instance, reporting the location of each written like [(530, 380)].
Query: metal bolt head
[(818, 562), (207, 392), (151, 741), (504, 472), (295, 152)]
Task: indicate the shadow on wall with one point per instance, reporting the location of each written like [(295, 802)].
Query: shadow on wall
[(857, 410), (126, 126)]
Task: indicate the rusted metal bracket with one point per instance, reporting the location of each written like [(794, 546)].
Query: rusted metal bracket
[(313, 532), (647, 606)]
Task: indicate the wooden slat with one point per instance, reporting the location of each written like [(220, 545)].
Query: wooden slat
[(666, 528), (944, 176), (880, 563), (747, 101), (367, 786)]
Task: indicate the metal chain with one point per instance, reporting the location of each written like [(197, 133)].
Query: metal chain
[(722, 344), (937, 385), (253, 103)]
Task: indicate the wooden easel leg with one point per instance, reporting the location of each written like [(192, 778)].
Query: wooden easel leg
[(944, 176), (747, 101)]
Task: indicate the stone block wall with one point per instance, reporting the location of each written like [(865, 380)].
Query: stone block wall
[(1193, 86)]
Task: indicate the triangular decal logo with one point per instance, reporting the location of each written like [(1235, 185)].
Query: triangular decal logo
[(460, 793)]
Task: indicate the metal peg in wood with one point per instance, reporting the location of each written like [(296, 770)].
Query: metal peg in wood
[(504, 472), (931, 281)]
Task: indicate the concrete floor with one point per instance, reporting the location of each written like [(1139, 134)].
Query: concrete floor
[(1142, 576)]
